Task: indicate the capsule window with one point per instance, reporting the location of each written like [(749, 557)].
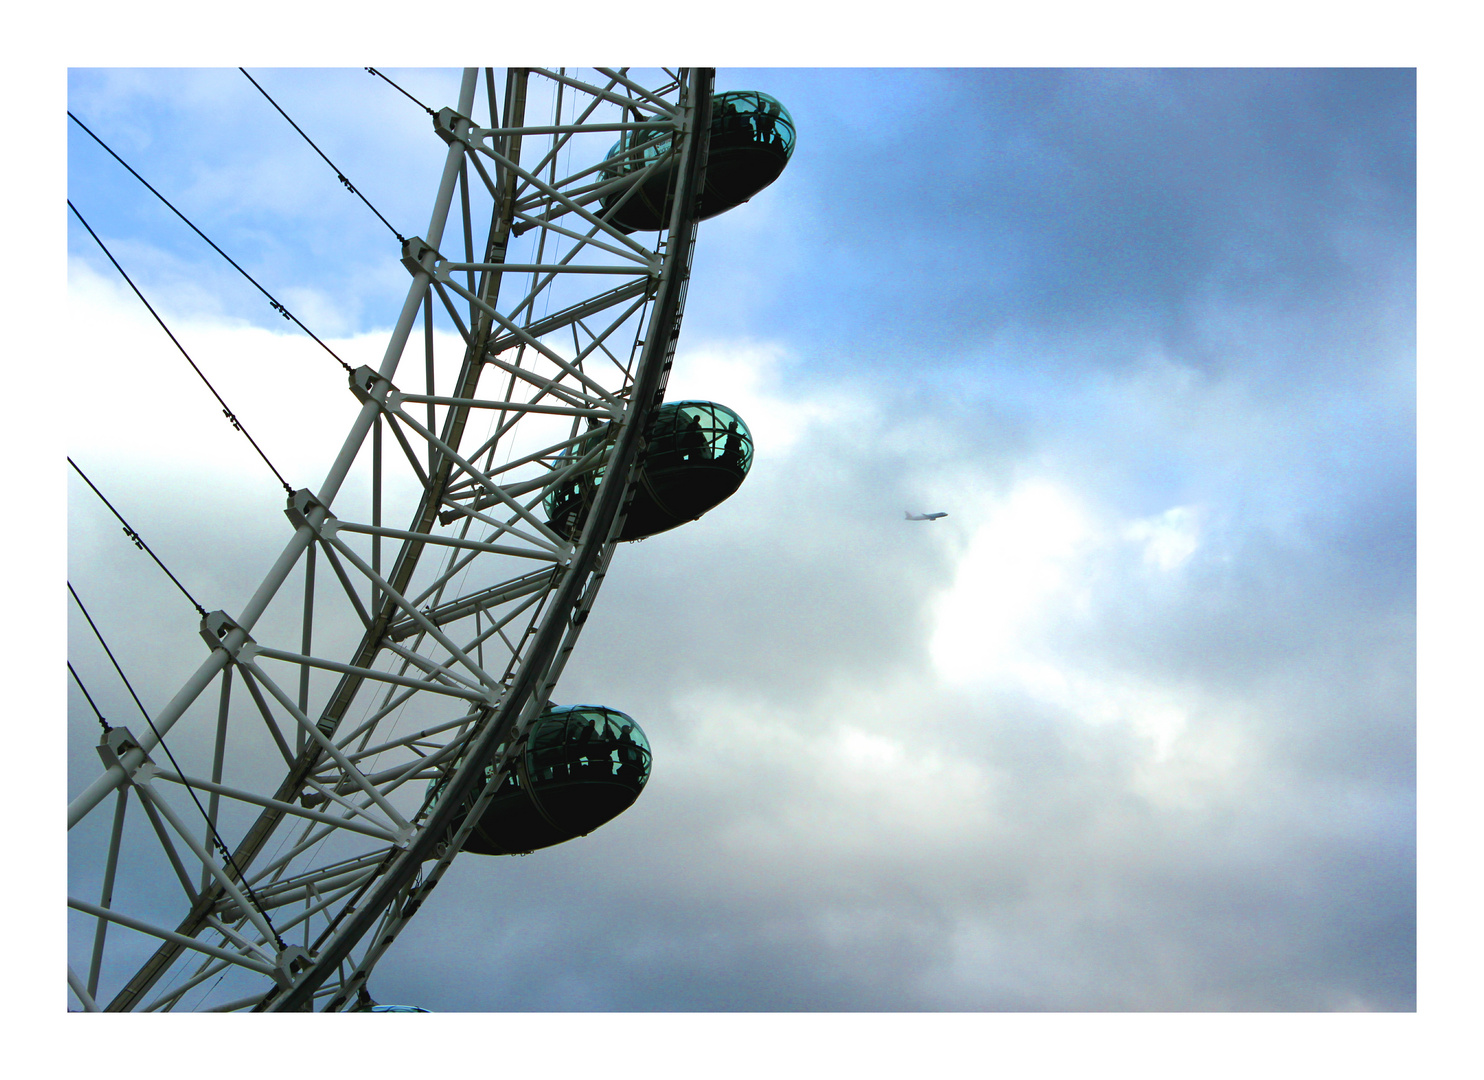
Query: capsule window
[(699, 432), (754, 117), (736, 116)]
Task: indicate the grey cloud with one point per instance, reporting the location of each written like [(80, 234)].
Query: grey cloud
[(1284, 886), (988, 200), (832, 824), (764, 869)]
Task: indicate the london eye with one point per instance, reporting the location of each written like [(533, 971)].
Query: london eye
[(258, 841)]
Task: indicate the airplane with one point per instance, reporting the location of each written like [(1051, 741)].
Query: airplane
[(924, 517)]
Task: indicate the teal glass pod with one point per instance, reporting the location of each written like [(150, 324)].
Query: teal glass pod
[(752, 139), (583, 765), (697, 455)]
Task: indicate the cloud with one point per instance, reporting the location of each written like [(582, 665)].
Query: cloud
[(1032, 756), (1131, 728), (1169, 539), (1076, 807), (1112, 202)]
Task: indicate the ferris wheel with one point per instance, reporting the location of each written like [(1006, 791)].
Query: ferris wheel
[(272, 870)]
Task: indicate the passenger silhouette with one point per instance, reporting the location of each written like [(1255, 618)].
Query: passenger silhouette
[(583, 740), (765, 130), (630, 762), (693, 442), (731, 454), (726, 119)]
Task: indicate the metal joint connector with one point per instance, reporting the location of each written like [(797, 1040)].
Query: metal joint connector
[(291, 960), (445, 123), (115, 745), (301, 504), (216, 626), (415, 253), (364, 382)]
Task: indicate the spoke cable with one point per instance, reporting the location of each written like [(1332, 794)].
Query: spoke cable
[(226, 411), (216, 837), (138, 540), (272, 302), (404, 93), (338, 174), (77, 679)]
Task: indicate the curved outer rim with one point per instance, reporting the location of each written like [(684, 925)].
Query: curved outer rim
[(165, 954), (533, 679)]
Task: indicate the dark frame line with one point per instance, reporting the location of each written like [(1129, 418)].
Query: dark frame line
[(272, 301), (338, 174), (226, 410)]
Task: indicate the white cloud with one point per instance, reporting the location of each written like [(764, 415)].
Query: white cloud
[(1024, 558), (750, 378), (145, 408), (1021, 757), (1169, 539), (974, 816), (1029, 584)]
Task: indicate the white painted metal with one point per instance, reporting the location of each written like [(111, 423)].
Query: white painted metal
[(463, 631)]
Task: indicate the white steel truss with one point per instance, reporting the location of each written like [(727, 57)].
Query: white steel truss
[(272, 873)]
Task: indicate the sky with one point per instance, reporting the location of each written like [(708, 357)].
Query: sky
[(1132, 729)]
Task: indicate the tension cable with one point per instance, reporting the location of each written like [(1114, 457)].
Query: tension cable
[(138, 540), (273, 303), (338, 174), (404, 93), (226, 411), (216, 837)]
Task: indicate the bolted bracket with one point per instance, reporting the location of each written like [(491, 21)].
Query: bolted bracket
[(291, 960), (419, 256), (301, 503), (214, 630), (115, 745), (364, 383), (446, 122)]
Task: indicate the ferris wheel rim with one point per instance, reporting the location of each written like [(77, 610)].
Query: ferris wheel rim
[(599, 541), (556, 633)]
